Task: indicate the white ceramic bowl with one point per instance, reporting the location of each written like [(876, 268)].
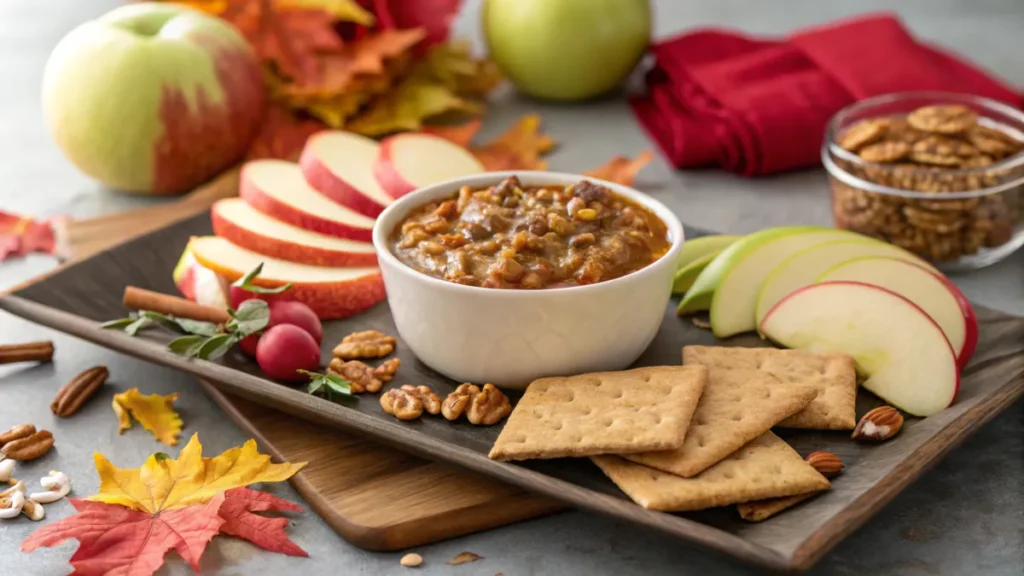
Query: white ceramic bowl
[(512, 337)]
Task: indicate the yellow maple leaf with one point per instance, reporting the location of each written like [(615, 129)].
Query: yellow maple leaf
[(406, 107), (347, 10), (154, 412), (164, 483)]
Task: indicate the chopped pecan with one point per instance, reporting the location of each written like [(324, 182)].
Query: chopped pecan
[(16, 433), (30, 447), (360, 377), (367, 344), (481, 407), (409, 402), (75, 393), (385, 372)]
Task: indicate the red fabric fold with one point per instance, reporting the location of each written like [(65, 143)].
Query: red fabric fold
[(760, 106)]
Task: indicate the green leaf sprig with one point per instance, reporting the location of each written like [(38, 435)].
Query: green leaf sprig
[(207, 340), (328, 385)]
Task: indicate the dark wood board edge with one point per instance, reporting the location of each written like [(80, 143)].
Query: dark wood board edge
[(272, 395), (468, 520)]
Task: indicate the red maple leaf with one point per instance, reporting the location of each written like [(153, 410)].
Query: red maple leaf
[(435, 16), (20, 235), (267, 533), (115, 540)]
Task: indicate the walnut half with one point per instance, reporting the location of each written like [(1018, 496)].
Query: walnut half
[(409, 402), (367, 344), (481, 407), (361, 378)]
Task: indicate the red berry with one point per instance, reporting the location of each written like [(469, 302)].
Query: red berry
[(285, 349), (297, 313)]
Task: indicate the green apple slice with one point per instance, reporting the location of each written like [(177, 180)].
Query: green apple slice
[(735, 276), (804, 267), (686, 275), (699, 248)]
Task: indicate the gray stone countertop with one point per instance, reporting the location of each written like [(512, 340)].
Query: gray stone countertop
[(966, 516)]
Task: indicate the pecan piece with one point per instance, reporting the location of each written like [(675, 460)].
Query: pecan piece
[(878, 425), (75, 393), (481, 407), (826, 463), (409, 402), (385, 372), (367, 344), (16, 433), (361, 377), (27, 352), (30, 447)]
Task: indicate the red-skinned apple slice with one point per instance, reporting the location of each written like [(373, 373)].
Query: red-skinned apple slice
[(932, 292), (406, 162), (340, 165), (251, 229), (278, 189), (899, 350), (330, 292)]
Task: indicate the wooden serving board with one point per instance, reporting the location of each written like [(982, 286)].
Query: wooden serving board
[(374, 496)]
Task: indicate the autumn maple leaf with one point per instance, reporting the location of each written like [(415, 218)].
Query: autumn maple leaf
[(434, 16), (118, 540), (153, 411), (621, 169), (165, 483), (461, 134), (518, 148), (282, 134), (20, 235)]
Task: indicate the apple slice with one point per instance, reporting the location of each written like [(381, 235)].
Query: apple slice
[(406, 162), (932, 292), (278, 189), (698, 248), (899, 350), (803, 268), (249, 228), (340, 165), (199, 284), (729, 284), (330, 292)]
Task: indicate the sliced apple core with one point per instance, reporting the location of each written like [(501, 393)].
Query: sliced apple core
[(249, 228), (900, 351), (410, 161), (277, 188), (740, 269), (804, 267), (934, 294), (233, 261)]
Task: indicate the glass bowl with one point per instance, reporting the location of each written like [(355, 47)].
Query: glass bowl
[(944, 183)]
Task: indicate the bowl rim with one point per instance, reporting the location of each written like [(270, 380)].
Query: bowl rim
[(831, 148), (403, 205)]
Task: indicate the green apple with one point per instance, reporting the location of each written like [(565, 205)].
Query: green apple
[(686, 275), (153, 98), (566, 49), (698, 248), (804, 267), (731, 282)]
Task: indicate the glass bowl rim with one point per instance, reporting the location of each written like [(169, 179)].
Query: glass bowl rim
[(831, 148)]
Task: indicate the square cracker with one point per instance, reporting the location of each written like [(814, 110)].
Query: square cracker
[(759, 510), (602, 413), (832, 374), (736, 407), (764, 468)]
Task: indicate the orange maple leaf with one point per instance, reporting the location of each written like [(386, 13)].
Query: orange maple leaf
[(461, 134), (519, 148), (622, 170)]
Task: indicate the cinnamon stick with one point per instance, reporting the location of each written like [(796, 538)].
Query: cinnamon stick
[(142, 299), (28, 352)]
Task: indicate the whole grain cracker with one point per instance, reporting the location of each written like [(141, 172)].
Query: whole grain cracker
[(759, 510), (737, 406), (602, 413), (943, 119), (861, 134), (885, 151), (834, 376), (765, 468)]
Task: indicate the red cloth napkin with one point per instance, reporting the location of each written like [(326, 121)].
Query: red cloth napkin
[(756, 106)]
